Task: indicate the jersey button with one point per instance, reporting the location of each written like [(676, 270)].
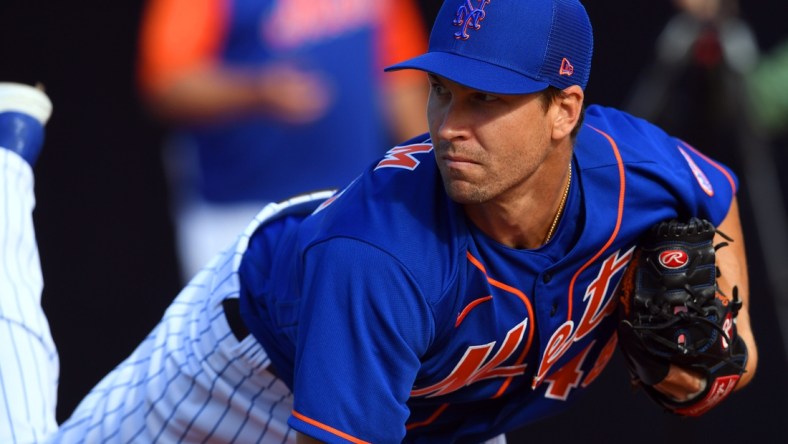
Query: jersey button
[(547, 277), (554, 309)]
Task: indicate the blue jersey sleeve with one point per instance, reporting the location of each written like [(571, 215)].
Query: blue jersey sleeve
[(666, 177), (712, 185), (363, 327)]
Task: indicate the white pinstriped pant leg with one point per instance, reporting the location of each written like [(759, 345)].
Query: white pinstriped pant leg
[(29, 365), (190, 380)]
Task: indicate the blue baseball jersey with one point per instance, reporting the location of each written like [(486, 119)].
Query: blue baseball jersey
[(393, 319)]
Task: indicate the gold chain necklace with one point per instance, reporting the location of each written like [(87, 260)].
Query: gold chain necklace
[(560, 207)]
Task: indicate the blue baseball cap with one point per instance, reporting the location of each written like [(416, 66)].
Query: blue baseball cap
[(509, 46)]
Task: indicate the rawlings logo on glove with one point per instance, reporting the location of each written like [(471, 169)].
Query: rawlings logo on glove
[(671, 312)]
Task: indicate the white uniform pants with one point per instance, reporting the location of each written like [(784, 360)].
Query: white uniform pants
[(29, 365), (190, 380)]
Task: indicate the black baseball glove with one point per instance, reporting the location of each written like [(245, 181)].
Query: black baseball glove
[(671, 311)]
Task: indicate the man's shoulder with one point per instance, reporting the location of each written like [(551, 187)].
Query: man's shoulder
[(621, 124), (396, 204), (610, 136), (399, 207)]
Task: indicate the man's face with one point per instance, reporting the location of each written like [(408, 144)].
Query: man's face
[(486, 146)]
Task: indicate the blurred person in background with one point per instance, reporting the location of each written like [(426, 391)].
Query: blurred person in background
[(268, 98), (694, 85), (710, 84)]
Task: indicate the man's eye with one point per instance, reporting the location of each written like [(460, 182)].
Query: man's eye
[(439, 89), (487, 97)]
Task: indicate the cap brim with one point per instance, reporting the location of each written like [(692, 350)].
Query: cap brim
[(475, 74)]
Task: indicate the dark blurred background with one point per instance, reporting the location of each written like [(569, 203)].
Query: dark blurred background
[(106, 237)]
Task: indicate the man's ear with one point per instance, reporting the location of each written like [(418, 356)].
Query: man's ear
[(567, 108)]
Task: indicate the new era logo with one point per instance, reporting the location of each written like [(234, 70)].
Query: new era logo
[(566, 68)]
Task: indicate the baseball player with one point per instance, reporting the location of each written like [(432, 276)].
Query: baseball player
[(29, 363), (460, 287)]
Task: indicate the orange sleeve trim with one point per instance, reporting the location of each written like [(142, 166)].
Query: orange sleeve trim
[(328, 429), (621, 192), (429, 420), (468, 309), (177, 36)]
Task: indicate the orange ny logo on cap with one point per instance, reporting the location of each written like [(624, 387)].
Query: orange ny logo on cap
[(469, 16)]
